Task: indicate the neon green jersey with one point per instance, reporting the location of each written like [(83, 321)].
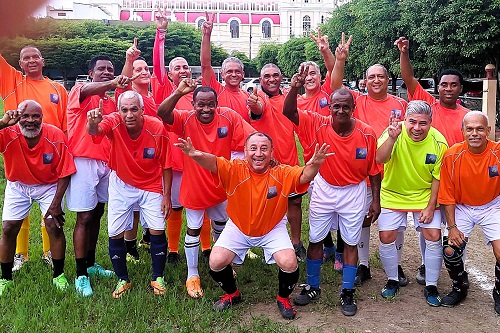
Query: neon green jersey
[(408, 174)]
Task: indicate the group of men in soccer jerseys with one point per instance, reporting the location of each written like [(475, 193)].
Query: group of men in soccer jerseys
[(229, 158)]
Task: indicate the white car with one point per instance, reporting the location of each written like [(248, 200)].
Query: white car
[(249, 84)]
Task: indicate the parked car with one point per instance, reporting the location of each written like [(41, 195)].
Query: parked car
[(249, 84), (82, 78)]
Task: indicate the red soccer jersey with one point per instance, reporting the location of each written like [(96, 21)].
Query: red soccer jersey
[(470, 179), (197, 188), (447, 121), (79, 141), (319, 102), (45, 163), (280, 128), (257, 202), (236, 100), (52, 96), (138, 162), (354, 157)]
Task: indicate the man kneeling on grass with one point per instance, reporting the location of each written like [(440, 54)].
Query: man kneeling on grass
[(257, 203), (37, 167)]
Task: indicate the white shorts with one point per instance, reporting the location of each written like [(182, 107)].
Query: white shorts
[(487, 217), (396, 220), (334, 207), (176, 188), (122, 198), (237, 242), (88, 186), (237, 155), (19, 197), (217, 213)]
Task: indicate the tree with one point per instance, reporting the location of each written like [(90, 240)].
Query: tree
[(268, 54), (291, 55)]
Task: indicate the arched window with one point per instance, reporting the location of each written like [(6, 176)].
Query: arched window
[(266, 29), (234, 28), (306, 25), (200, 23), (322, 19)]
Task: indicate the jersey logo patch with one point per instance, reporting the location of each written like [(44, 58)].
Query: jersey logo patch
[(361, 153), (323, 102), (47, 158), (222, 132), (430, 159), (493, 171), (54, 98), (396, 114), (272, 192), (148, 153)]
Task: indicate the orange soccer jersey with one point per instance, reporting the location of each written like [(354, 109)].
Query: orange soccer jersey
[(197, 188), (278, 127), (236, 100), (354, 157), (45, 163), (470, 179), (447, 121), (257, 202), (138, 162), (79, 141), (16, 87)]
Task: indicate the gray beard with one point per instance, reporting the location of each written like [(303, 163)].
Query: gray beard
[(30, 134)]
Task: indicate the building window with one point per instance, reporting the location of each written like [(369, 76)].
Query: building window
[(291, 31), (266, 29), (306, 1), (200, 23), (322, 19), (306, 25), (234, 28)]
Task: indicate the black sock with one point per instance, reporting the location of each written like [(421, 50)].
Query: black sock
[(131, 246), (58, 266), (118, 255), (225, 279), (158, 252), (328, 241), (81, 267), (7, 270), (287, 281), (340, 243), (146, 236), (90, 258), (497, 276)]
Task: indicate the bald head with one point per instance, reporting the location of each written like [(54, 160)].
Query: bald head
[(30, 122), (30, 105), (476, 116)]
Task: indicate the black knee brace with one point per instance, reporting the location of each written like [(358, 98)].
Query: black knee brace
[(454, 263)]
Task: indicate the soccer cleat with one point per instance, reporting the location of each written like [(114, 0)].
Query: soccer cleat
[(300, 251), (205, 255), (61, 282), (4, 285), (390, 289), (122, 287), (158, 286), (362, 274), (403, 280), (454, 297), (338, 265), (47, 259), (432, 296), (286, 309), (173, 258), (307, 295), (19, 261), (98, 270), (82, 286), (347, 303), (496, 298), (193, 287), (132, 259), (227, 300), (421, 275)]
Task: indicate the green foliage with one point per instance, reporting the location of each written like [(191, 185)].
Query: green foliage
[(250, 66), (292, 54), (268, 54)]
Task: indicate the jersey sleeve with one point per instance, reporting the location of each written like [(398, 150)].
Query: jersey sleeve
[(383, 138), (166, 161), (106, 125), (178, 126), (421, 94), (292, 179), (66, 166), (8, 76), (306, 130), (224, 170), (437, 167), (326, 87), (241, 130), (374, 168), (446, 185)]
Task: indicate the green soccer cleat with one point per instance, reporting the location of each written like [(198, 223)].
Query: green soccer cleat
[(4, 285), (61, 282)]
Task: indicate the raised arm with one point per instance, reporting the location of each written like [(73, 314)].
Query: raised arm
[(324, 48), (206, 50), (206, 160), (159, 46), (341, 54), (166, 108), (100, 88), (404, 63), (130, 56), (94, 117), (290, 104), (384, 152), (11, 117)]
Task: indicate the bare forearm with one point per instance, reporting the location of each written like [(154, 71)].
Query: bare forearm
[(329, 59), (310, 171), (384, 152), (166, 108), (62, 185), (93, 129), (449, 212), (290, 106), (206, 160), (375, 182), (434, 193), (167, 182), (95, 88), (206, 58), (407, 72), (337, 74)]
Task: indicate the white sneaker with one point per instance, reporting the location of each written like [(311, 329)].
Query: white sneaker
[(47, 259), (19, 261)]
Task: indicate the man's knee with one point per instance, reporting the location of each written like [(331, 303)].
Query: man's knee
[(286, 260), (83, 218), (387, 237), (219, 259), (452, 255), (432, 235), (11, 228)]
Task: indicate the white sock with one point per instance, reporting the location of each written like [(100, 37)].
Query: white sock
[(191, 247), (433, 261), (421, 242), (388, 257), (364, 246), (400, 239)]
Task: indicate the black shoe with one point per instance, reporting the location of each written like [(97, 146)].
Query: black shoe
[(421, 275), (362, 274), (300, 251), (205, 255), (347, 302), (227, 300), (432, 296), (307, 295), (390, 290), (403, 281), (286, 309), (454, 297), (173, 258), (496, 298)]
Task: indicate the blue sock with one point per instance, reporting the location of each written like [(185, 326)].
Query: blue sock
[(313, 272), (158, 252), (329, 251), (118, 255), (348, 276)]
